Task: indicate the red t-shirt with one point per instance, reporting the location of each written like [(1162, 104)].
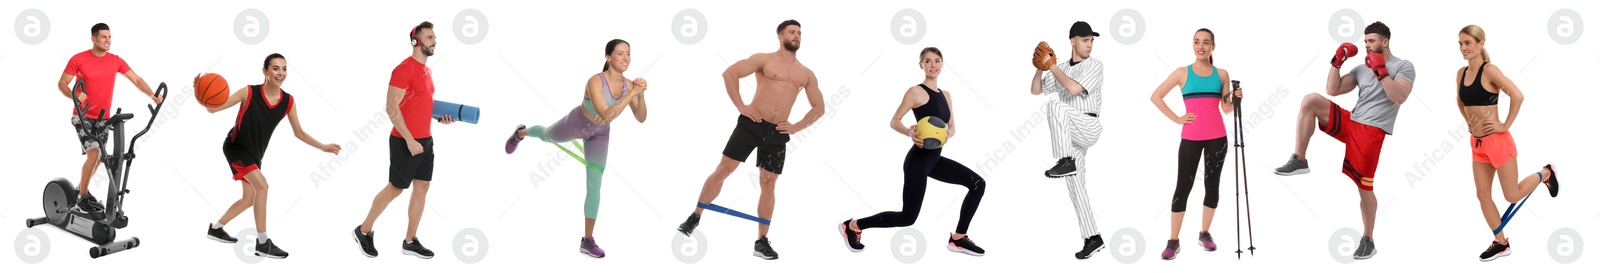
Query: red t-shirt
[(99, 76), (416, 108)]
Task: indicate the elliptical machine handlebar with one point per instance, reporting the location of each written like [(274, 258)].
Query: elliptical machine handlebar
[(161, 92)]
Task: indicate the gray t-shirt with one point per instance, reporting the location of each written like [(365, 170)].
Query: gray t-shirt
[(1373, 106)]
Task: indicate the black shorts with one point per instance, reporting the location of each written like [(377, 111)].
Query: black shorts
[(750, 135), (404, 167), (241, 162)]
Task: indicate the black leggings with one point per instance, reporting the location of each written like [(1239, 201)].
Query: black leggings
[(920, 165), (1189, 152)]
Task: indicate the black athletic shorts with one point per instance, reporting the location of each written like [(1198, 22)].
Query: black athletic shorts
[(241, 162), (404, 167), (750, 135)]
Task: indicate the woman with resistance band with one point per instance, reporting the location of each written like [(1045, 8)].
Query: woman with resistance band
[(603, 100), (1203, 133), (1478, 88), (922, 162)]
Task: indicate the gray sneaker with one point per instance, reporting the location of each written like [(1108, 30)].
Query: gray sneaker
[(1366, 249), (1294, 167)]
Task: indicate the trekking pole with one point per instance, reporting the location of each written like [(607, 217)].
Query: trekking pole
[(1240, 173)]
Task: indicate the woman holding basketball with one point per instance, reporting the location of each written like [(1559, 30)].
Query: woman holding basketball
[(261, 108), (1203, 133), (933, 106), (1494, 153), (591, 122)]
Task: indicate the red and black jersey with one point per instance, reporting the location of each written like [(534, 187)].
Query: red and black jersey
[(252, 129)]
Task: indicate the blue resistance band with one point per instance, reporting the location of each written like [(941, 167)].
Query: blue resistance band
[(735, 213), (1512, 211)]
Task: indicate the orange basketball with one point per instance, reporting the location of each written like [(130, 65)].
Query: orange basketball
[(211, 90)]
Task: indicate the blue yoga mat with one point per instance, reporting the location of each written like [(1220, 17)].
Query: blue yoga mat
[(464, 113), (735, 213)]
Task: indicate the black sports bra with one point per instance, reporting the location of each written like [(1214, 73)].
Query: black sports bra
[(1475, 94)]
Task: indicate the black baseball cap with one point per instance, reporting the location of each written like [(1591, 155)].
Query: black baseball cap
[(1081, 28)]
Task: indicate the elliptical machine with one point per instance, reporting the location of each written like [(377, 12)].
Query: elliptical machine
[(99, 227)]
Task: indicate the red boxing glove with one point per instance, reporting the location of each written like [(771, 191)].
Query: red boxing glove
[(1344, 52), (1376, 62)]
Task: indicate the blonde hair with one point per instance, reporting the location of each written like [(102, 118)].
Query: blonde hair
[(1477, 33)]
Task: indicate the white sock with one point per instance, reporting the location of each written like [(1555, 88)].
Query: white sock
[(261, 237), (216, 225)]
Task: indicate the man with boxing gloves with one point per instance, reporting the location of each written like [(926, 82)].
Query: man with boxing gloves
[(1074, 120), (1385, 83)]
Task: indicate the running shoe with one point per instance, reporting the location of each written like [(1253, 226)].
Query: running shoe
[(87, 202), (270, 250), (764, 249), (217, 234), (1172, 250), (414, 248), (1551, 182), (1366, 250), (588, 247), (965, 246), (365, 240), (1295, 166), (1206, 243), (687, 227), (511, 143), (852, 238), (1495, 251)]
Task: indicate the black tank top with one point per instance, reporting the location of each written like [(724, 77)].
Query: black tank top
[(1475, 94), (936, 106), (252, 129)]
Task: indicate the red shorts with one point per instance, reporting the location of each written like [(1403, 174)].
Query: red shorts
[(1495, 149), (1362, 143)]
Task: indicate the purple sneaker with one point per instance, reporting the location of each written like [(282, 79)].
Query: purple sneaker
[(588, 247), (511, 144), (1172, 250), (1205, 241)]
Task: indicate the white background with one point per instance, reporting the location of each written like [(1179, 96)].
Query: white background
[(534, 57)]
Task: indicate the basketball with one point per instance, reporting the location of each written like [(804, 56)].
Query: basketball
[(211, 90), (932, 132)]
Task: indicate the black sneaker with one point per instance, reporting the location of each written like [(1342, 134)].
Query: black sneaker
[(688, 225), (1551, 182), (1091, 246), (1366, 250), (414, 248), (270, 250), (1495, 251), (365, 240), (87, 202), (852, 238), (1065, 166), (217, 234), (764, 249), (965, 246)]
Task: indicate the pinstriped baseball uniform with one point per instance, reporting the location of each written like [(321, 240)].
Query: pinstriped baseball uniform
[(1074, 127)]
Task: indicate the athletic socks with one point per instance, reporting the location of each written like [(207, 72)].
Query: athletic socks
[(261, 237), (216, 225)]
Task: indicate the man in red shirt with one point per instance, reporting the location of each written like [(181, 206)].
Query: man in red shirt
[(98, 69), (410, 108)]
